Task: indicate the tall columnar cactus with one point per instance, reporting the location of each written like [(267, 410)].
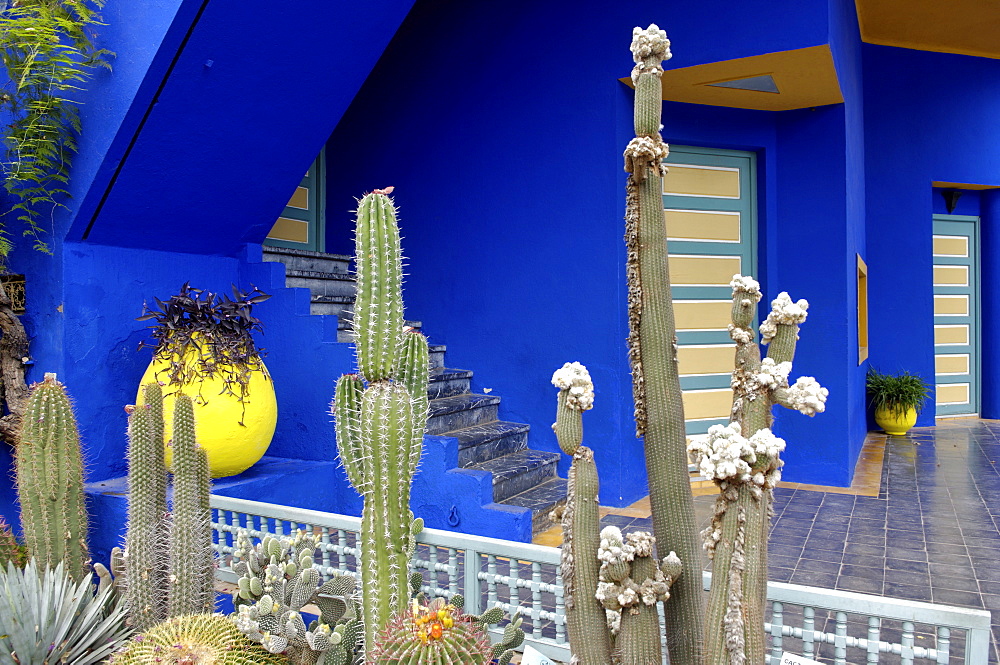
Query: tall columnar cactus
[(743, 460), (49, 469), (381, 413), (585, 617), (169, 560), (603, 573), (659, 413)]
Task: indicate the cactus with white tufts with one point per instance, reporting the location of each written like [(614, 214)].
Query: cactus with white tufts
[(381, 413), (743, 458)]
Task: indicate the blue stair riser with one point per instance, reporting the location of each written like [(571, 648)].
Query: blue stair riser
[(466, 418), (322, 283), (492, 448), (448, 385), (504, 488), (331, 306), (306, 260), (437, 355)]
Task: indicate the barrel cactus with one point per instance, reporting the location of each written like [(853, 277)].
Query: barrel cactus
[(381, 413), (197, 639), (49, 468), (431, 633)]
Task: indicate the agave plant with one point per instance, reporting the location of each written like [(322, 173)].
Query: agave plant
[(46, 617)]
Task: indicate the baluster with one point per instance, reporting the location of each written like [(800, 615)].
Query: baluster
[(472, 597), (561, 608), (840, 642), (432, 578), (342, 552), (874, 637), (513, 590), (452, 571), (536, 597), (234, 524), (324, 540), (943, 644), (279, 527), (491, 580), (906, 655), (808, 631), (777, 621)]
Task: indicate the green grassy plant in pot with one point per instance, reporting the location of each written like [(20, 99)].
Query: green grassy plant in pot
[(896, 399), (204, 347)]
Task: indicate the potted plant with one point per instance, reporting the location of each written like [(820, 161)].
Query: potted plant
[(204, 347), (896, 399)]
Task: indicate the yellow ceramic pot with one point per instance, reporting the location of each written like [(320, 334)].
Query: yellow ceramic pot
[(894, 424), (232, 447)]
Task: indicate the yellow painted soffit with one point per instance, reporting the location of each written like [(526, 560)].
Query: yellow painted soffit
[(968, 27), (962, 185), (804, 77)]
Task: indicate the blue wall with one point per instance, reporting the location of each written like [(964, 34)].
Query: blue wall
[(928, 117)]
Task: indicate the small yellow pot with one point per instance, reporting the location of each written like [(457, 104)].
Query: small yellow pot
[(232, 448), (894, 424)]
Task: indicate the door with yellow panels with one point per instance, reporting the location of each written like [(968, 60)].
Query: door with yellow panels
[(956, 315), (709, 201), (300, 225)]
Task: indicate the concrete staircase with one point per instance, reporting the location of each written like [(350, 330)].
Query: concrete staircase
[(521, 477)]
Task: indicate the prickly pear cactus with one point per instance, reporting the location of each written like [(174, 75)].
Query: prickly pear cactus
[(381, 413), (743, 458), (201, 639), (430, 634), (49, 469), (277, 579)]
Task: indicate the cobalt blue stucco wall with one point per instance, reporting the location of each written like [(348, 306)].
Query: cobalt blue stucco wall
[(928, 117), (510, 184)]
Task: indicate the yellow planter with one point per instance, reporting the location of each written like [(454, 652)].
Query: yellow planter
[(232, 448), (893, 424)]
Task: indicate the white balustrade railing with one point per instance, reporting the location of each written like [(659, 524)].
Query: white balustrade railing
[(526, 577)]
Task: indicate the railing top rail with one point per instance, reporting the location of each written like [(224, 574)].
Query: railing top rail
[(869, 605), (482, 544)]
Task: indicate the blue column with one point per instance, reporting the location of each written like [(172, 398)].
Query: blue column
[(990, 311)]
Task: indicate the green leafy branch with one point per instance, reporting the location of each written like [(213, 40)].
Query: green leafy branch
[(48, 51)]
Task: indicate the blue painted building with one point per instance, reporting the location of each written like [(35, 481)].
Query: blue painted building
[(813, 144)]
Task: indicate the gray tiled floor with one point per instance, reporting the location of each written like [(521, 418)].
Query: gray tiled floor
[(932, 533)]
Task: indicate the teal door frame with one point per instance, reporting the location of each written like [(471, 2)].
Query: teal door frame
[(315, 216), (746, 249), (968, 227)]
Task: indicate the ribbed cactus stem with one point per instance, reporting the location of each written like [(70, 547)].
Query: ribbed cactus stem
[(49, 469), (191, 574), (413, 373), (378, 310), (146, 539), (586, 624), (638, 640), (346, 411), (656, 382)]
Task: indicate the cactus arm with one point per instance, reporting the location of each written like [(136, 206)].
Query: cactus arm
[(191, 554), (656, 383), (346, 408), (378, 311), (49, 478), (414, 375), (585, 618)]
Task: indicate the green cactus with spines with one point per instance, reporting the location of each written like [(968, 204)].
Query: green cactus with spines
[(659, 412), (381, 413), (277, 580), (198, 639), (431, 634), (11, 550), (586, 623), (169, 559), (49, 468), (743, 458)]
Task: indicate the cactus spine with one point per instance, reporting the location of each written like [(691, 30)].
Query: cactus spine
[(743, 460), (381, 414), (659, 413), (49, 469), (169, 560)]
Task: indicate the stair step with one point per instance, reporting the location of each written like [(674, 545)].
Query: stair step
[(452, 413), (330, 305), (448, 382), (321, 283), (541, 500), (487, 441), (519, 472), (302, 259), (437, 355)]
